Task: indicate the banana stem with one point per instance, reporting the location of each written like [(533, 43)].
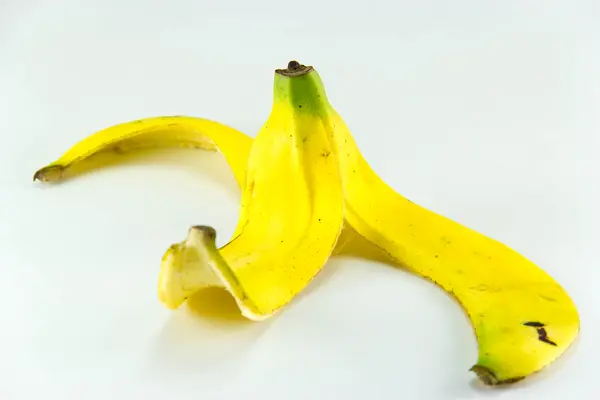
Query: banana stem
[(293, 69)]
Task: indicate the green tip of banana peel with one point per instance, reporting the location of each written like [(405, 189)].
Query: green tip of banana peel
[(522, 318)]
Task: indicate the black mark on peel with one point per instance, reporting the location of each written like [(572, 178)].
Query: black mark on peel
[(534, 324), (544, 338), (542, 334)]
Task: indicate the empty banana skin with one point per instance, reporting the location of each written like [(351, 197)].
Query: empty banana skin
[(304, 182)]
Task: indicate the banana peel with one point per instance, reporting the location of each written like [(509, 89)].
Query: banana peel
[(158, 132), (304, 183)]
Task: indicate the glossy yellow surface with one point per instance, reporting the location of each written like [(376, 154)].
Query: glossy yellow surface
[(157, 132), (523, 319), (291, 213), (290, 219)]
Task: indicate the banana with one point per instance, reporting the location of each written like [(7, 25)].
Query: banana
[(522, 318)]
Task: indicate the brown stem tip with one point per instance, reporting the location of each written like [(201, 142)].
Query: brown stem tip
[(488, 377), (50, 173), (294, 68), (208, 231)]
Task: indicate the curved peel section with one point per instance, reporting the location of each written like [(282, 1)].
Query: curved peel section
[(157, 132), (195, 264), (291, 213), (190, 266), (522, 317)]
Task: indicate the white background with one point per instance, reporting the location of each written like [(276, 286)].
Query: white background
[(487, 112)]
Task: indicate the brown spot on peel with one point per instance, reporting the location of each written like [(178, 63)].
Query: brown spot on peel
[(488, 377)]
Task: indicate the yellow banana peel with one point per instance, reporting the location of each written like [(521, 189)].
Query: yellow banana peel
[(304, 182)]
